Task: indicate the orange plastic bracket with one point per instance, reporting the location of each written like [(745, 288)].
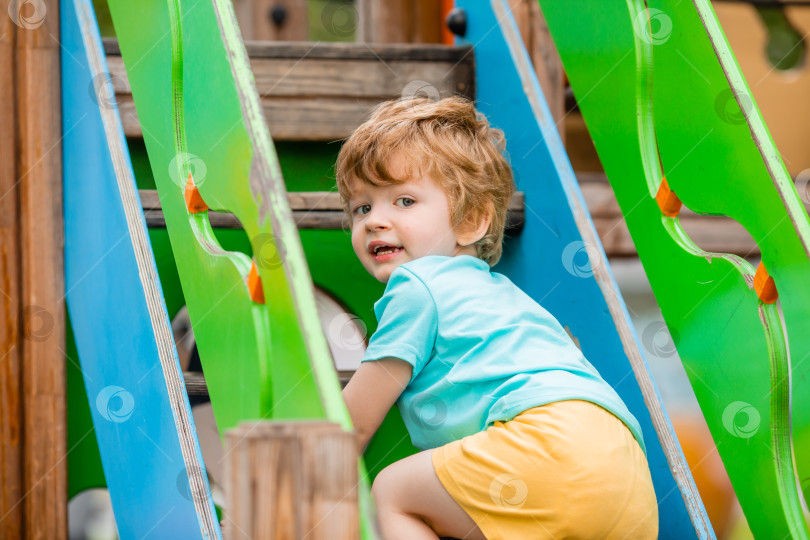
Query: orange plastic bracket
[(764, 285), (669, 203), (255, 285), (194, 201)]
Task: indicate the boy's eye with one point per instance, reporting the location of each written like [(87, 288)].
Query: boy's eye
[(358, 210)]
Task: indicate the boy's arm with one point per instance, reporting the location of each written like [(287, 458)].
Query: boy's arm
[(371, 392)]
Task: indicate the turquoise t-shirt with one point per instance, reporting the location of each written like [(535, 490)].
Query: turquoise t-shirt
[(481, 349)]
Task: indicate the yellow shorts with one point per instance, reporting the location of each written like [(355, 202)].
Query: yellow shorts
[(568, 469)]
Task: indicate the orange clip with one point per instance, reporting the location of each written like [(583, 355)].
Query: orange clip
[(764, 285), (255, 285), (669, 203), (194, 201)]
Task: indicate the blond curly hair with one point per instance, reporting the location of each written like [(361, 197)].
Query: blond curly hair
[(452, 144)]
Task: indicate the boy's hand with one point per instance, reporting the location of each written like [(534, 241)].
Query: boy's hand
[(369, 395)]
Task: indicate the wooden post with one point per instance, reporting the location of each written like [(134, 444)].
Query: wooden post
[(256, 21), (11, 445), (400, 21), (33, 456), (545, 58), (291, 480)]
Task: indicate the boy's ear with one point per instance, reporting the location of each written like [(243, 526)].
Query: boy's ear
[(473, 232)]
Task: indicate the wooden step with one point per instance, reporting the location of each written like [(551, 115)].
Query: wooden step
[(322, 210), (323, 91), (197, 387), (310, 209)]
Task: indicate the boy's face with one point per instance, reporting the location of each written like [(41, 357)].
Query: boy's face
[(413, 217)]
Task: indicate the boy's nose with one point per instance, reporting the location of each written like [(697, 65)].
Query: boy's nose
[(377, 219)]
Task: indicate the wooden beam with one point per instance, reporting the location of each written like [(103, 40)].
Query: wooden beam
[(311, 210), (322, 210), (323, 91), (12, 485), (39, 285)]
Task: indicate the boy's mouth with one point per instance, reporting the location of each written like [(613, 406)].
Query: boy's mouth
[(386, 253)]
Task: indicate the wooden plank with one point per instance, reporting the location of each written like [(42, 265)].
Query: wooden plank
[(323, 91), (12, 486), (311, 210), (379, 52), (291, 480), (322, 210), (42, 288)]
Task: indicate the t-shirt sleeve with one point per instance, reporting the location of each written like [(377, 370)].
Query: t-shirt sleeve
[(407, 322)]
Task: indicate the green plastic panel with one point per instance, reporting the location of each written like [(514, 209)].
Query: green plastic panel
[(201, 116), (661, 79)]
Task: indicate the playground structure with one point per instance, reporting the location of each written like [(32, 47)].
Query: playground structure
[(257, 332)]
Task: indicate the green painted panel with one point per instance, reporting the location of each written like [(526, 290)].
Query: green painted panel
[(731, 344), (201, 115)]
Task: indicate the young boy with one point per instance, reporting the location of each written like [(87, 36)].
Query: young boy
[(521, 437)]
